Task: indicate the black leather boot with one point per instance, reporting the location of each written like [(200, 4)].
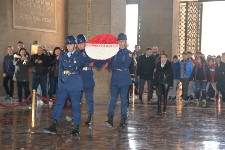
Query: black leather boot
[(140, 98), (109, 122), (122, 122), (52, 128), (165, 103), (88, 122), (76, 131), (159, 111)]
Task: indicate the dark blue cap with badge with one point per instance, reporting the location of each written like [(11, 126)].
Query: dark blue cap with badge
[(81, 39), (122, 36), (70, 40)]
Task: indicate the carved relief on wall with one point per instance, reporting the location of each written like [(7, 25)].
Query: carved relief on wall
[(39, 15)]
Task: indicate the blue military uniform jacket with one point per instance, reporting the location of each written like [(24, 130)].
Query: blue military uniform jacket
[(70, 69), (87, 73), (119, 64)]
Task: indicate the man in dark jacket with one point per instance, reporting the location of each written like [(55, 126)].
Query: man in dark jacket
[(155, 53), (145, 69), (39, 63), (8, 72), (220, 77)]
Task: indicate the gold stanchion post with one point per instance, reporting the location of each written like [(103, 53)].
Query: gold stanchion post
[(33, 108)]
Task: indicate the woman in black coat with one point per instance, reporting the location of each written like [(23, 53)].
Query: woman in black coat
[(163, 79), (54, 71), (22, 64)]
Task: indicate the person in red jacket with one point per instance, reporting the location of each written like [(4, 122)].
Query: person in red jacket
[(212, 66)]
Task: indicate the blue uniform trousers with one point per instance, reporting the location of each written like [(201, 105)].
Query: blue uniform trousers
[(60, 101), (115, 91), (89, 98)]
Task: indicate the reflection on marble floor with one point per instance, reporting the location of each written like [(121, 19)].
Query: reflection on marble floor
[(185, 126)]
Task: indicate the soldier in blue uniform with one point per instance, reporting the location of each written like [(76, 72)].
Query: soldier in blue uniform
[(88, 78), (120, 81), (70, 84)]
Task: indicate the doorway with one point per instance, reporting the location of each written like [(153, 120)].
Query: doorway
[(213, 28)]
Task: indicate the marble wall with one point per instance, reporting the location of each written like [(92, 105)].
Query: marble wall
[(156, 24), (18, 23)]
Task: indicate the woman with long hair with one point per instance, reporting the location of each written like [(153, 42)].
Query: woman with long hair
[(22, 63), (201, 76), (163, 79), (54, 71)]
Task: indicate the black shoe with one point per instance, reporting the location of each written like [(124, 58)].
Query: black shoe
[(88, 122), (173, 98), (7, 97), (164, 110), (51, 129), (76, 131), (149, 99), (109, 122), (191, 98), (159, 112), (19, 101), (122, 123)]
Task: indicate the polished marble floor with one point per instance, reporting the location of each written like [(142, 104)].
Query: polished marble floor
[(185, 126)]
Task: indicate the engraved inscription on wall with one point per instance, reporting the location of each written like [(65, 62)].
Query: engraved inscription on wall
[(39, 15)]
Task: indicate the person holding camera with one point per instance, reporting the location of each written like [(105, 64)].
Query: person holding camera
[(40, 63), (21, 62)]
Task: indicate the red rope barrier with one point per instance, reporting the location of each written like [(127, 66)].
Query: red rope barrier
[(20, 104), (45, 99)]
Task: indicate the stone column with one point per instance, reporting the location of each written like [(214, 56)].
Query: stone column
[(3, 37), (118, 16), (156, 24), (107, 16), (77, 17), (175, 36)]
